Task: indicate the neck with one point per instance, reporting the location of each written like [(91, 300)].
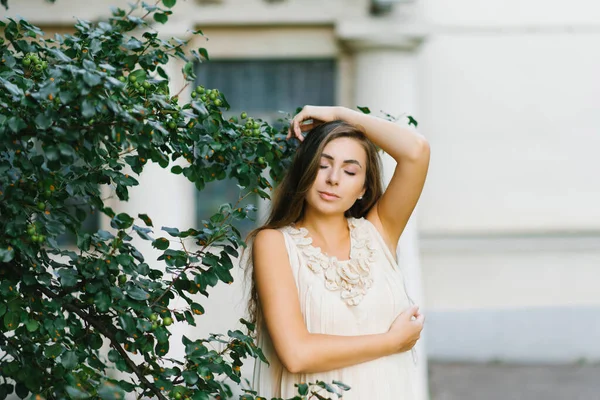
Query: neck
[(325, 226)]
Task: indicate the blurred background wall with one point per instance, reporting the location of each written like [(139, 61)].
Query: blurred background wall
[(503, 252)]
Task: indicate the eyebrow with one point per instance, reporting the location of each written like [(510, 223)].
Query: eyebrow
[(345, 161)]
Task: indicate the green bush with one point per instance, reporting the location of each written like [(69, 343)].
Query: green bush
[(78, 112)]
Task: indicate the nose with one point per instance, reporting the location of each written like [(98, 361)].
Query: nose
[(333, 177)]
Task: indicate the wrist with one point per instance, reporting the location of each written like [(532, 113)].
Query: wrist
[(390, 343), (344, 113)]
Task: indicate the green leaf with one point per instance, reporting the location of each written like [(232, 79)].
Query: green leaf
[(52, 153), (53, 351), (302, 389), (342, 385), (12, 88), (76, 394), (365, 110), (32, 325), (412, 121), (190, 377), (66, 150), (91, 79), (59, 55), (121, 221), (160, 17), (140, 75), (42, 121), (223, 274), (11, 320), (204, 53), (127, 323), (171, 231), (6, 254), (161, 243), (102, 301), (21, 390), (87, 109), (169, 3), (143, 232), (137, 293), (69, 360), (146, 219), (111, 391), (16, 124), (68, 277)]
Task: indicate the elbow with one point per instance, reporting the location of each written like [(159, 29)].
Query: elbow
[(294, 363), (296, 359), (421, 150)]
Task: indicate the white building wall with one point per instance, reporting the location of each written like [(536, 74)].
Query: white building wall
[(509, 217)]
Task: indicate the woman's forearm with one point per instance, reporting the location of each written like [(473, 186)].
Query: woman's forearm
[(403, 144), (321, 353)]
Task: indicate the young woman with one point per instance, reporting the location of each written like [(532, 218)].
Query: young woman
[(328, 295)]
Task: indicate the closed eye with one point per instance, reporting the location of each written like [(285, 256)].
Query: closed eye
[(349, 173)]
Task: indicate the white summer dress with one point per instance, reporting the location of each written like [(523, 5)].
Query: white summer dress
[(359, 296)]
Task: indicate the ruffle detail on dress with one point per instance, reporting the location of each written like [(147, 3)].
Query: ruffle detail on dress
[(351, 277)]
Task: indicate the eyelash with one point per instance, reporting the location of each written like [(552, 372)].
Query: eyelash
[(349, 173)]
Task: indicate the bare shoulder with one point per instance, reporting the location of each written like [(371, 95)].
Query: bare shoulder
[(268, 240), (268, 246)]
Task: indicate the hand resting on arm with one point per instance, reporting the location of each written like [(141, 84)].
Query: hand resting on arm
[(299, 350)]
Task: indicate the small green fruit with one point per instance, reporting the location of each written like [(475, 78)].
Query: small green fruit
[(172, 124), (203, 97), (132, 78), (212, 96), (27, 62), (244, 115), (218, 103), (167, 321), (256, 132), (153, 317), (256, 125), (200, 89), (147, 85), (122, 279), (194, 94), (39, 67), (122, 79), (261, 160), (41, 206)]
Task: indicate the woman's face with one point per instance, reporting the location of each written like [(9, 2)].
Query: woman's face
[(341, 177)]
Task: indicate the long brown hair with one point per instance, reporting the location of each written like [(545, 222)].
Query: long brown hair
[(288, 201)]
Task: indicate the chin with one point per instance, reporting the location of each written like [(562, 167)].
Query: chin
[(324, 207)]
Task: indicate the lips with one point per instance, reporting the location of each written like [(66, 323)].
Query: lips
[(329, 194)]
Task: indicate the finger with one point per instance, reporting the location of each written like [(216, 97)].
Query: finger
[(413, 310)]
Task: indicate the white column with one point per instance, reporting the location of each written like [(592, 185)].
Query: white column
[(385, 81), (169, 200)]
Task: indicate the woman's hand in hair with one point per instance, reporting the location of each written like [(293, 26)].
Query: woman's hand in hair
[(310, 117)]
